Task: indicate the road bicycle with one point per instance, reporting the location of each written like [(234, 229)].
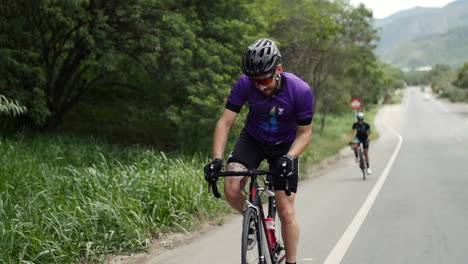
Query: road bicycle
[(262, 242), (361, 160)]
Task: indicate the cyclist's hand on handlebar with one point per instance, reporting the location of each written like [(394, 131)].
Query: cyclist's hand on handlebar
[(286, 166), (212, 168)]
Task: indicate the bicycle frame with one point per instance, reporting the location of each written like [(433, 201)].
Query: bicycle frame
[(361, 160), (254, 201)]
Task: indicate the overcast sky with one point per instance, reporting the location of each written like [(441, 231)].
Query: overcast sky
[(384, 8)]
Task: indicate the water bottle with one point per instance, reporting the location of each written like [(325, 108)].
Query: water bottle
[(270, 234)]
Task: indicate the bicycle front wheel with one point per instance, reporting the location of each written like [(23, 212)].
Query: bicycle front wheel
[(362, 164), (254, 245)]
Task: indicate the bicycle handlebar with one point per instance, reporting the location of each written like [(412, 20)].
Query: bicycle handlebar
[(213, 186), (244, 173)]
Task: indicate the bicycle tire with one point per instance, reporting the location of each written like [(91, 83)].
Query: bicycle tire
[(361, 163), (256, 251)]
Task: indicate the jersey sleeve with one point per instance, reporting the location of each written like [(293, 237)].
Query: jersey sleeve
[(238, 95), (304, 105)]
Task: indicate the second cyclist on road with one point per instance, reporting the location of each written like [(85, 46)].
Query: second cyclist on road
[(360, 134)]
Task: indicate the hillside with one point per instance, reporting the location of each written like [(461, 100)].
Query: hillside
[(426, 25), (449, 48)]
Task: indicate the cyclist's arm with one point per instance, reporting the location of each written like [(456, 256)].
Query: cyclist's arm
[(304, 134), (222, 132), (353, 135), (368, 133)]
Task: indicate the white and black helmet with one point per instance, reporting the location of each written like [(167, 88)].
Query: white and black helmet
[(360, 116), (261, 57)]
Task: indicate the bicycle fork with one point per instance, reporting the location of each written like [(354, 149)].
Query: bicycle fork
[(265, 252)]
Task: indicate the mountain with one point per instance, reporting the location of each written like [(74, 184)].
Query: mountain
[(449, 48), (422, 26)]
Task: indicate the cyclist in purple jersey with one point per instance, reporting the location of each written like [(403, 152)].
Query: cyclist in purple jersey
[(278, 129)]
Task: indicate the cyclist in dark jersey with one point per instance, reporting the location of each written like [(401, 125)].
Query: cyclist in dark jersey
[(361, 133), (278, 129)]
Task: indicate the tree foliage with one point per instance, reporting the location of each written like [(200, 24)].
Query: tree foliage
[(66, 48), (330, 44), (159, 71), (462, 77)]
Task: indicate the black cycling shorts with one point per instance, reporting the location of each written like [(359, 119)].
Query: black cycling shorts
[(250, 153), (364, 141)]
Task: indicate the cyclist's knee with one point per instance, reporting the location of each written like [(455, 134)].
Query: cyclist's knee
[(286, 210), (287, 215), (232, 186)]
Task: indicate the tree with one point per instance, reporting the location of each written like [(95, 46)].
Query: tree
[(326, 41), (462, 77), (153, 61), (54, 51)]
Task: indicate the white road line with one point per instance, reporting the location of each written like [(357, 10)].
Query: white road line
[(338, 252), (308, 259)]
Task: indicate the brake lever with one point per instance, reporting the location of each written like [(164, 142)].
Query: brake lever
[(286, 191), (214, 186)]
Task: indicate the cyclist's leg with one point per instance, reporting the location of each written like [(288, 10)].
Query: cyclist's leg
[(233, 187), (365, 145), (286, 211), (356, 142), (244, 156), (289, 224)]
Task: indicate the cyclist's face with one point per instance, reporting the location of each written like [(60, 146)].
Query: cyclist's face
[(267, 83)]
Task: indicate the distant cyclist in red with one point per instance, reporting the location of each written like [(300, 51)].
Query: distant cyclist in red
[(360, 134), (278, 129)]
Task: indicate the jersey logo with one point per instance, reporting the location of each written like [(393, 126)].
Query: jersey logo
[(272, 125), (280, 111)]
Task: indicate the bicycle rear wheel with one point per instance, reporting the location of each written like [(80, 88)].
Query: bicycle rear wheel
[(362, 164), (254, 248)]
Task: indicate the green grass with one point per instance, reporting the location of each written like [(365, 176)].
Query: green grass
[(66, 199), (397, 98)]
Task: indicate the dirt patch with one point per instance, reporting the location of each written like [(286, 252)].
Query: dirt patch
[(167, 241)]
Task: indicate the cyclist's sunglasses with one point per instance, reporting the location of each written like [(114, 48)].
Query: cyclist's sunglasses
[(263, 81)]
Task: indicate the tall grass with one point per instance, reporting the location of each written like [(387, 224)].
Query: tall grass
[(65, 199)]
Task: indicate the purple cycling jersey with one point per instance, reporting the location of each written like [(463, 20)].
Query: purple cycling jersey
[(274, 120)]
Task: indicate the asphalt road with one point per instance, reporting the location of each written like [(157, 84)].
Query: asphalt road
[(412, 209)]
